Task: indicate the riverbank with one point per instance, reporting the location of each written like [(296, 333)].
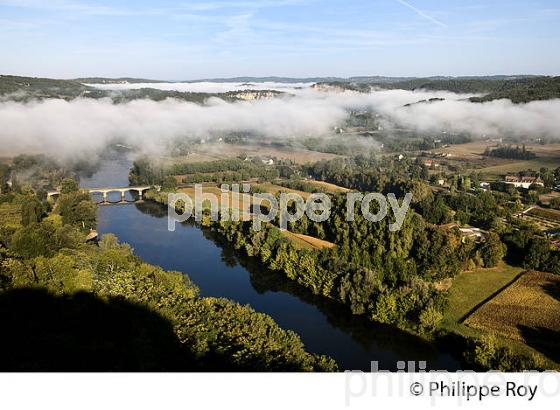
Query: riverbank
[(160, 199), (324, 326), (451, 332), (219, 271)]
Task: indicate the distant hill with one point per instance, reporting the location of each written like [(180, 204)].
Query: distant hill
[(41, 87), (518, 89), (27, 88), (456, 85), (525, 90), (121, 80)]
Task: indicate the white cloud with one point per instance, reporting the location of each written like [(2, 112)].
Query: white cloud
[(421, 13)]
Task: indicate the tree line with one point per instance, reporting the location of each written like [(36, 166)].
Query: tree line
[(509, 152), (147, 171), (54, 287)]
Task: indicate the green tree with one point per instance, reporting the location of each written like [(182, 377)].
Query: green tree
[(78, 209), (430, 318), (169, 184), (31, 212), (43, 239), (69, 185), (537, 253), (492, 250)]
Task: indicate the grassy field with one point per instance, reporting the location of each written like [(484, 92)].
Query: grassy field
[(307, 242), (527, 311), (274, 189), (330, 188)]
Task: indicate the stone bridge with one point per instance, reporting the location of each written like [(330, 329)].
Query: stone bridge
[(105, 192)]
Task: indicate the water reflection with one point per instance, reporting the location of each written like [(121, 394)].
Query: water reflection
[(324, 325)]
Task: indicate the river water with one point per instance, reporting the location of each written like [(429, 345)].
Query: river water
[(325, 326)]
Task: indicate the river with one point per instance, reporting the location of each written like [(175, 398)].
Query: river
[(325, 326)]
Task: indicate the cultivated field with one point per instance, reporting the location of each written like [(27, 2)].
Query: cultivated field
[(471, 153), (219, 150), (10, 215), (514, 166), (552, 215), (474, 150), (545, 219), (528, 311), (469, 289), (546, 198)]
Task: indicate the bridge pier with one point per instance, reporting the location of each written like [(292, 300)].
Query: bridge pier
[(105, 197), (123, 197)]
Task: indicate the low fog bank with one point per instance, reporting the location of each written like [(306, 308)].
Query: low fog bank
[(67, 129), (205, 86), (58, 127)]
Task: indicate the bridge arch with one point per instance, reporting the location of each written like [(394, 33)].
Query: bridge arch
[(140, 190)]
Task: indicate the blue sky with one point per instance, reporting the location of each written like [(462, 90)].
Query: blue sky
[(182, 40)]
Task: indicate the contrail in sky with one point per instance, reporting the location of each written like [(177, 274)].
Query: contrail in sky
[(421, 13)]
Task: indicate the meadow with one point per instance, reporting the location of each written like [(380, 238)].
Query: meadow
[(307, 242), (328, 187), (275, 189)]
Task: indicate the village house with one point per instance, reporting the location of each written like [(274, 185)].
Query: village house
[(468, 232), (442, 154), (523, 182), (478, 235), (430, 163)]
